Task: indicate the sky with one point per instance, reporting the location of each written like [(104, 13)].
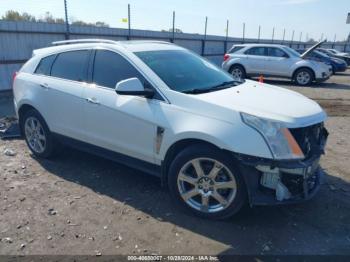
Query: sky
[(308, 18)]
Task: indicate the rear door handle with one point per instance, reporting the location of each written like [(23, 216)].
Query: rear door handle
[(45, 86), (92, 101)]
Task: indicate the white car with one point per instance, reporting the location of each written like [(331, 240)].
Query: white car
[(274, 60), (216, 142)]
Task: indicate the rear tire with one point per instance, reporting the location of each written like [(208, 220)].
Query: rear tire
[(303, 77), (238, 72), (218, 193), (37, 134)]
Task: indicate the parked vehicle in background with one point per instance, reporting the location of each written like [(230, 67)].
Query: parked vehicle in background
[(274, 60), (337, 52), (344, 57), (338, 65), (215, 142)]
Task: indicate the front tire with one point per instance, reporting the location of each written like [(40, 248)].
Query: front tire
[(303, 77), (238, 73), (37, 134), (207, 182)]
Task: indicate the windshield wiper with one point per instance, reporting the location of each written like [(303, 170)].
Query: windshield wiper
[(223, 85), (226, 84)]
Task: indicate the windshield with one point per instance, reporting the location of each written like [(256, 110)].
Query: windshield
[(326, 52), (292, 51), (320, 54), (186, 72), (333, 51)]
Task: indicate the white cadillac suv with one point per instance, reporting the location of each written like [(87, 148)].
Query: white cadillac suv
[(217, 143), (274, 61)]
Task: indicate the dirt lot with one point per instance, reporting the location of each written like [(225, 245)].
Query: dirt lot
[(82, 204)]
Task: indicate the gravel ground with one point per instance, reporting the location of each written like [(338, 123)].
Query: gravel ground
[(81, 204)]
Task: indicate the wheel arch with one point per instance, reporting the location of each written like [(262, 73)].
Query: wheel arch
[(176, 148), (237, 64), (304, 67), (25, 107)]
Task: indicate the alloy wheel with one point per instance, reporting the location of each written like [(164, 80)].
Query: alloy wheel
[(35, 134), (206, 185), (303, 77), (237, 73)]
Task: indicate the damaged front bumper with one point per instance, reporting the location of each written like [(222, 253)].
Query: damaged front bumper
[(273, 182)]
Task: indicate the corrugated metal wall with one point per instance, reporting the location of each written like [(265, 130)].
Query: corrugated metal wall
[(19, 39)]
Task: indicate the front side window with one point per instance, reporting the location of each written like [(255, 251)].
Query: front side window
[(184, 71), (291, 51), (276, 52), (71, 65), (259, 51), (44, 66), (110, 68)]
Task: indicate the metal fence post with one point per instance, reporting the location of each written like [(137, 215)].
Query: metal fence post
[(335, 37), (205, 35), (173, 37), (243, 36), (129, 23), (225, 43), (300, 36), (67, 22)]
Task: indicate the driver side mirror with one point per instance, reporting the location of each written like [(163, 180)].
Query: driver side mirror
[(133, 87)]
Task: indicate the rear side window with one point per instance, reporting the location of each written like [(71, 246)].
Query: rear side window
[(110, 68), (235, 49), (44, 66), (71, 65), (276, 52), (260, 51)]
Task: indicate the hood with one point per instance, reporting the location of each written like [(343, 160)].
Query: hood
[(308, 51), (268, 101)]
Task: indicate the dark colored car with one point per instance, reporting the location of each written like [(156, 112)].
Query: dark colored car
[(338, 65), (344, 57)]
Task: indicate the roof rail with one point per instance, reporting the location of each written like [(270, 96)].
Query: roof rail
[(80, 41)]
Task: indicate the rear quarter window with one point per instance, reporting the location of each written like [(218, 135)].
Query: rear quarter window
[(44, 66), (235, 49), (71, 65)]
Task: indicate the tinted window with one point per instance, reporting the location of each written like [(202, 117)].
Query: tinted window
[(276, 52), (291, 51), (183, 71), (235, 49), (110, 68), (44, 66), (256, 51), (71, 65)]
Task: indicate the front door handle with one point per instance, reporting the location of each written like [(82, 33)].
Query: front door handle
[(45, 86), (92, 101)]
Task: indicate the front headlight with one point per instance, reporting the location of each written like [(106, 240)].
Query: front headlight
[(280, 141)]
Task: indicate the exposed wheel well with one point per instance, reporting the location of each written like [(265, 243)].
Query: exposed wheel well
[(174, 150), (304, 67)]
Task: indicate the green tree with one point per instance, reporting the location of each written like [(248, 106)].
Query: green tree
[(12, 15)]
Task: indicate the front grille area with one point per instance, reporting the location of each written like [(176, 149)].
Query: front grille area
[(310, 139)]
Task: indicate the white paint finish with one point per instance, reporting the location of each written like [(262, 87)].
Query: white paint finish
[(131, 84), (127, 124), (120, 123)]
